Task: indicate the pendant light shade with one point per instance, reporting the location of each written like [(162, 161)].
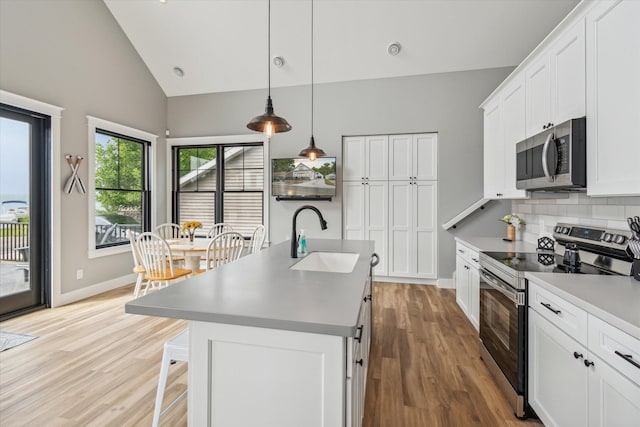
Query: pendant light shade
[(312, 152), (268, 123)]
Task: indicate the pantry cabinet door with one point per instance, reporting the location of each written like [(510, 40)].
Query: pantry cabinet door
[(377, 157), (353, 158), (425, 156), (353, 212), (377, 220), (400, 157), (425, 249), (400, 229)]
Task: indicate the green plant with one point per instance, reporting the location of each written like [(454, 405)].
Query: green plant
[(513, 219)]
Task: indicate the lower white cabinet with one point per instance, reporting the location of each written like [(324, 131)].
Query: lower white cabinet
[(468, 283), (575, 380)]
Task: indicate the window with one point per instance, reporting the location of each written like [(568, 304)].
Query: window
[(219, 183), (119, 185)]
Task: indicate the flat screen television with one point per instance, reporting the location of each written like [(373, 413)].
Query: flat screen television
[(301, 178)]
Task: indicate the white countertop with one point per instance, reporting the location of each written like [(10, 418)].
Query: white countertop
[(614, 299)]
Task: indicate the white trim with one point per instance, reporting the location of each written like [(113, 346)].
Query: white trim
[(55, 113), (92, 124), (446, 284), (98, 288), (410, 280), (225, 139)]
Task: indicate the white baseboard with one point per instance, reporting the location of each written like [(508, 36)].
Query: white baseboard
[(93, 290), (446, 284), (410, 280)]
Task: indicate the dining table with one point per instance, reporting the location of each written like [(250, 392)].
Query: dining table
[(191, 250)]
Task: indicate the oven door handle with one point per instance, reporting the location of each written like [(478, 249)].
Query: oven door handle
[(545, 159), (516, 297)]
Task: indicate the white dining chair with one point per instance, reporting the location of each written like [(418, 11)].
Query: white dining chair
[(224, 248), (138, 267), (257, 240), (156, 257), (219, 228), (169, 230)]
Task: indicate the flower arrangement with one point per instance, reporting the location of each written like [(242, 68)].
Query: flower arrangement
[(190, 228), (513, 219)]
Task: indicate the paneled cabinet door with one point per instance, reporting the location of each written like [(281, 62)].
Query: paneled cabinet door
[(462, 284), (376, 210), (377, 155), (538, 98), (568, 75), (474, 297), (354, 158), (558, 378), (353, 202), (413, 157), (493, 150), (513, 131), (614, 400), (412, 229), (613, 98)]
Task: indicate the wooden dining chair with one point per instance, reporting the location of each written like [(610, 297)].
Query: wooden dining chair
[(170, 231), (156, 257), (257, 240), (223, 249), (218, 228), (138, 268)]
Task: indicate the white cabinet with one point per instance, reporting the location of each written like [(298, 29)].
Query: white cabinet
[(504, 120), (396, 207), (468, 283), (365, 157), (365, 216), (580, 372), (358, 363), (413, 157), (613, 98), (412, 229), (555, 82)]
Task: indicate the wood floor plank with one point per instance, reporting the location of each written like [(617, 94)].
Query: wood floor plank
[(94, 365)]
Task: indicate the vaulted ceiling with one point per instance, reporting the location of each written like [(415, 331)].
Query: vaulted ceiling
[(221, 45)]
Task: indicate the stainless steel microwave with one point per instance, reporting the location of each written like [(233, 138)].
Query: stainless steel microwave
[(555, 159)]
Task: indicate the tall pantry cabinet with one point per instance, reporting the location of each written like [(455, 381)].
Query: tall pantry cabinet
[(390, 196)]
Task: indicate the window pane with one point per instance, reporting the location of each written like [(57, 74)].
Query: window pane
[(130, 164), (106, 161), (243, 211), (254, 180), (197, 207), (116, 212)]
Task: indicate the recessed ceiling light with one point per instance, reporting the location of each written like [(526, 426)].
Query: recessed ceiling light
[(179, 71), (163, 1), (278, 61), (394, 48)]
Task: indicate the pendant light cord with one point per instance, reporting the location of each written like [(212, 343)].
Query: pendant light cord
[(269, 44), (312, 68)]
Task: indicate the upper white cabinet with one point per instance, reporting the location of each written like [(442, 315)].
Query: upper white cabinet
[(365, 157), (504, 121), (613, 98), (413, 157), (555, 82)]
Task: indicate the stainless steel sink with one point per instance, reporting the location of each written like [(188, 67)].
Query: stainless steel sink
[(328, 262)]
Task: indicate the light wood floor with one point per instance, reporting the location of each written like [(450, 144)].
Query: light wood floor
[(94, 365)]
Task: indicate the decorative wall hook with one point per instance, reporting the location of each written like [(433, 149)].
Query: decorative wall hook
[(74, 179)]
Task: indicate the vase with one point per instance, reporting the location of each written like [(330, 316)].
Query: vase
[(191, 236), (511, 232)]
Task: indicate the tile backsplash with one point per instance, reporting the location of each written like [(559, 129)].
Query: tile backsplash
[(542, 212)]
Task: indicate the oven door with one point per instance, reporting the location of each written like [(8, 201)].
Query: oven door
[(502, 327)]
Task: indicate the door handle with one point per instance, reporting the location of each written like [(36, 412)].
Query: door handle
[(628, 358), (545, 162), (548, 307)]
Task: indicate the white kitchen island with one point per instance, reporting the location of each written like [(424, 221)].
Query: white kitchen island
[(272, 346)]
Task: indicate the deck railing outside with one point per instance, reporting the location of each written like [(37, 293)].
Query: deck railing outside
[(14, 238)]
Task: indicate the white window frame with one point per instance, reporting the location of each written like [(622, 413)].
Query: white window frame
[(221, 140), (96, 123)]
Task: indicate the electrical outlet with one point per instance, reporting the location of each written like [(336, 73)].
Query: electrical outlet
[(79, 274)]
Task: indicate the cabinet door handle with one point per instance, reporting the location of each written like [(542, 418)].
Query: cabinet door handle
[(548, 307), (588, 363), (474, 260), (461, 251), (577, 355), (358, 336), (628, 358), (360, 362), (367, 298)]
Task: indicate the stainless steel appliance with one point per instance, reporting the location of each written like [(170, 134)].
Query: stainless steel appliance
[(503, 298), (554, 159)]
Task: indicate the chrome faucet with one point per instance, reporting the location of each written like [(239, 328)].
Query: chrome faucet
[(294, 232)]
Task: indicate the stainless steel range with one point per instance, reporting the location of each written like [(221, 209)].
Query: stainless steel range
[(503, 296)]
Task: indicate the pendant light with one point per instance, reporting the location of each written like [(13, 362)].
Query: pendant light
[(312, 152), (268, 123)]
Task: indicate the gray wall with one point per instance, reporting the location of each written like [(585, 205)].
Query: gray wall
[(74, 55), (443, 103)]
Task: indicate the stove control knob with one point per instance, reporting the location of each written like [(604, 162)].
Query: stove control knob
[(557, 229), (607, 237), (620, 239), (565, 230)]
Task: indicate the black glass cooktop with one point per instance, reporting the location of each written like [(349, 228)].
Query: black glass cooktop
[(541, 262)]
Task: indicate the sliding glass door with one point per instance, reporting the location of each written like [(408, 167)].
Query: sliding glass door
[(24, 210)]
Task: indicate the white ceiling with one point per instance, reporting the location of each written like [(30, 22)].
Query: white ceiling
[(222, 44)]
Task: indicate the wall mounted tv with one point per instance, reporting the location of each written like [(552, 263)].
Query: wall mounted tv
[(303, 179)]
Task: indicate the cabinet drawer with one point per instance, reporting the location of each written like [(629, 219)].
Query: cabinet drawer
[(469, 255), (563, 314), (617, 348)]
